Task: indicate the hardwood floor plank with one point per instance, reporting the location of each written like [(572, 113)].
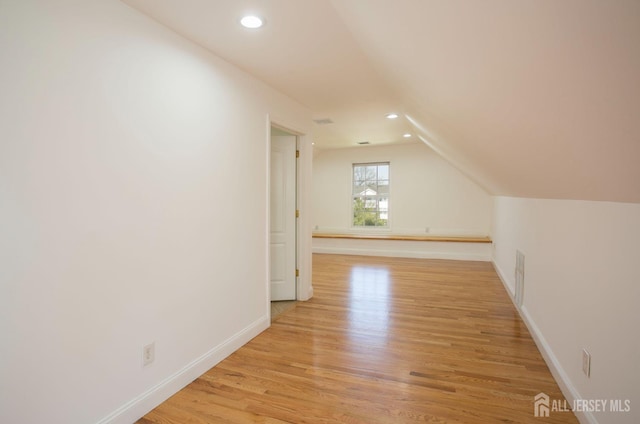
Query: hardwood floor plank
[(384, 340)]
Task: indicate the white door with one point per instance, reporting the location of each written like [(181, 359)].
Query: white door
[(283, 218)]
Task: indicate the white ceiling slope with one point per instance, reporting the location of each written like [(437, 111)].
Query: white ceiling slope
[(542, 96), (531, 98)]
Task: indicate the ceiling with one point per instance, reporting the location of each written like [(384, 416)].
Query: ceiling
[(534, 98)]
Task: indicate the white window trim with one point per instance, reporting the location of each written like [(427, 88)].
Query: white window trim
[(370, 229)]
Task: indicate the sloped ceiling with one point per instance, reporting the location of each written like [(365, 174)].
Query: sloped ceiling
[(536, 98)]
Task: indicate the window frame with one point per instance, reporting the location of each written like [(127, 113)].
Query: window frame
[(352, 197)]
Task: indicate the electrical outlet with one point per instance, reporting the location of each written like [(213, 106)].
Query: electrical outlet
[(427, 230), (148, 354), (586, 362)]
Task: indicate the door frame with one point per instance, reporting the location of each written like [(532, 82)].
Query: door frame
[(304, 287)]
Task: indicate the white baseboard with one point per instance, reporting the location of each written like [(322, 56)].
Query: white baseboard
[(140, 405), (397, 253), (508, 288), (566, 386), (310, 293)]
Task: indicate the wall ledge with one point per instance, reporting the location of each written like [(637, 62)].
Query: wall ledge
[(403, 237)]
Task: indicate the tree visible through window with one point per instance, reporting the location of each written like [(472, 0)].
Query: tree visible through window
[(370, 194)]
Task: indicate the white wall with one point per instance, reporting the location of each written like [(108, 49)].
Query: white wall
[(582, 290), (133, 208), (425, 191)]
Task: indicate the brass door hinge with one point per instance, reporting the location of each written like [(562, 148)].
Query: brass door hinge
[(297, 213), (297, 153), (297, 272)]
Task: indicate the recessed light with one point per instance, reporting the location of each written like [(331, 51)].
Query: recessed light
[(392, 115), (407, 135), (251, 21)]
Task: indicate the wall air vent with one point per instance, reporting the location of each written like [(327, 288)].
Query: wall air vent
[(324, 121)]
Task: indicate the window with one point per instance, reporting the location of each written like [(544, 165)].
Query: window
[(370, 194)]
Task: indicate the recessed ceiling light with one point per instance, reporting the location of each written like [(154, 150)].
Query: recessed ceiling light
[(407, 135), (251, 21), (392, 115)]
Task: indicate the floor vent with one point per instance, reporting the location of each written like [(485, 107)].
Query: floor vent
[(519, 277)]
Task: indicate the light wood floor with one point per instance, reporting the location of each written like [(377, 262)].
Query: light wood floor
[(384, 340), (280, 307)]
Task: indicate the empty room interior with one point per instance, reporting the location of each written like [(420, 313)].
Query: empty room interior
[(442, 197)]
